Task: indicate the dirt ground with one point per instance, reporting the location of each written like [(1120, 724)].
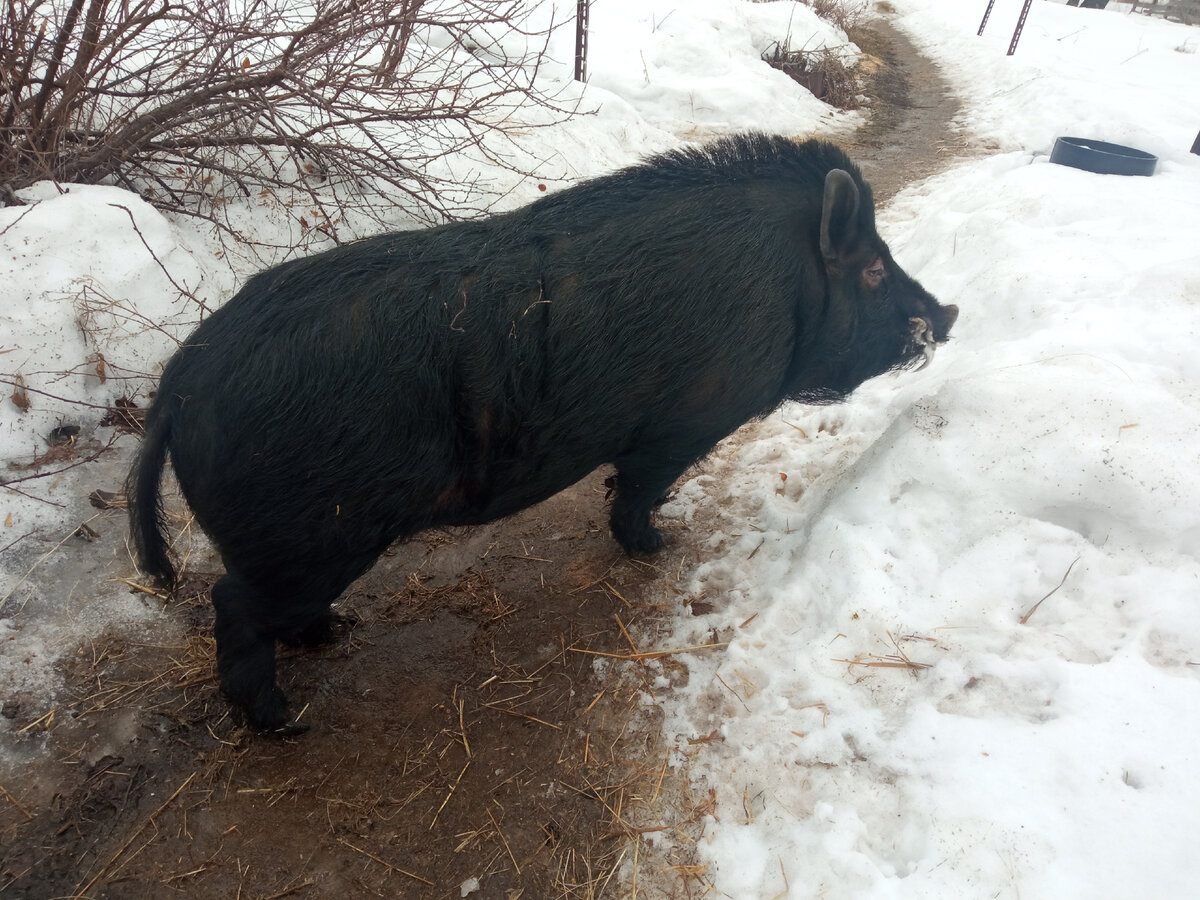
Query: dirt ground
[(479, 729)]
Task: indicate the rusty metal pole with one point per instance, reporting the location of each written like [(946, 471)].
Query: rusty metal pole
[(987, 12), (581, 39), (1012, 47)]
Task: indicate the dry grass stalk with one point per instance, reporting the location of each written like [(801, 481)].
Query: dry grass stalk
[(725, 685), (651, 654), (45, 556), (1024, 620), (307, 883), (450, 793), (625, 633), (822, 707), (636, 846), (13, 800), (642, 793), (504, 840), (521, 715), (143, 588), (386, 864), (786, 886), (44, 720), (897, 660), (617, 594), (662, 773), (80, 892)]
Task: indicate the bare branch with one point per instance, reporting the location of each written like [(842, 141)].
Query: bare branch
[(343, 103)]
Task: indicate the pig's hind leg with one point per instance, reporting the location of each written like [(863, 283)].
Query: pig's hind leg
[(246, 652), (252, 615), (642, 484)]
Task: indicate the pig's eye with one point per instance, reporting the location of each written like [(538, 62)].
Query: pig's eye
[(873, 276)]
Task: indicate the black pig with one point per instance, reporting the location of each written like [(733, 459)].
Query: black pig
[(456, 375)]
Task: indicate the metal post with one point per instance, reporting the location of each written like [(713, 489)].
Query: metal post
[(581, 38), (1020, 25), (987, 12)]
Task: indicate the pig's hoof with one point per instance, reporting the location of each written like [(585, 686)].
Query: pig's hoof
[(649, 541), (325, 630), (639, 541), (267, 712), (291, 729)]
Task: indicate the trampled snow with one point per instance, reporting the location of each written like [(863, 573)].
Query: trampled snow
[(895, 714), (1050, 452)]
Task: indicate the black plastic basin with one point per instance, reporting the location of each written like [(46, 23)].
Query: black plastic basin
[(1102, 157)]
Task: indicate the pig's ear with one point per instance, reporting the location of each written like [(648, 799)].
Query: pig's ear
[(839, 215)]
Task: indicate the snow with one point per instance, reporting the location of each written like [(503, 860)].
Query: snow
[(1055, 434), (1050, 453), (697, 70)]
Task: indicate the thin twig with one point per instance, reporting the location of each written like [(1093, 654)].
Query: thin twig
[(291, 890), (450, 794), (27, 211), (384, 863), (13, 801), (504, 841), (625, 631), (1024, 620), (651, 654), (141, 587), (521, 715), (158, 261), (73, 402), (80, 892), (41, 559)]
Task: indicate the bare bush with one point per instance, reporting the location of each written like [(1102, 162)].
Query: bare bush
[(821, 71), (845, 14), (343, 105)]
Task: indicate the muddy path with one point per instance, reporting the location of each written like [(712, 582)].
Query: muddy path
[(909, 135), (479, 729)]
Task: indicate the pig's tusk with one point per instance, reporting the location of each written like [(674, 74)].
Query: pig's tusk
[(922, 335)]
